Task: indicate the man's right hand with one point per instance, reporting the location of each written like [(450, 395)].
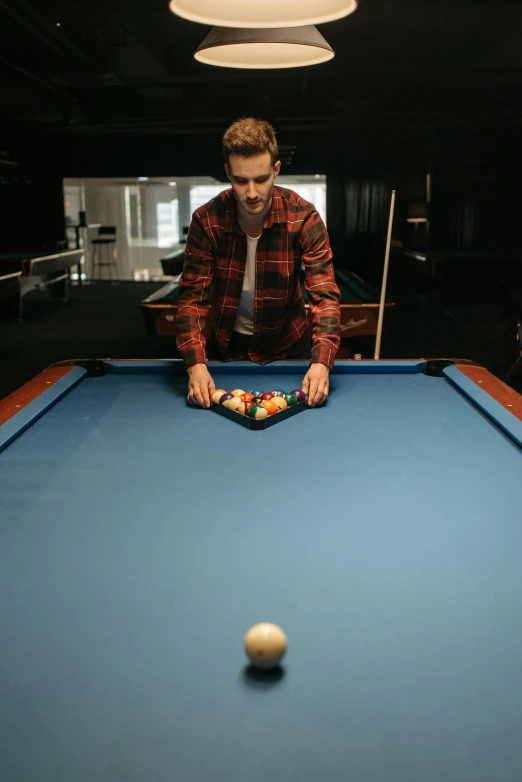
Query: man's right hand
[(201, 386)]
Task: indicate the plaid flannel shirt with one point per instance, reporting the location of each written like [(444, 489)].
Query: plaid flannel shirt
[(216, 253)]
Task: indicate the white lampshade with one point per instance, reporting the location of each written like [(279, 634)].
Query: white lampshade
[(231, 47), (262, 13)]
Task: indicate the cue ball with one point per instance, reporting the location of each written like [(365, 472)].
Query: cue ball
[(265, 645)]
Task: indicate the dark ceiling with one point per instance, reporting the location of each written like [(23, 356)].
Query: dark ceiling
[(126, 67)]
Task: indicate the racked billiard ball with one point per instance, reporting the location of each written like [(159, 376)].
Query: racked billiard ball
[(245, 406), (257, 412), (224, 398), (290, 399), (217, 394), (278, 392), (267, 395), (299, 394), (234, 403), (280, 403), (270, 406), (257, 400), (246, 397), (238, 392), (256, 391)]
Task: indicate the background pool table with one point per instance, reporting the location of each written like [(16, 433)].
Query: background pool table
[(43, 269), (359, 307), (140, 538)]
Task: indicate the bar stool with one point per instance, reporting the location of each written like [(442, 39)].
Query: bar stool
[(104, 251)]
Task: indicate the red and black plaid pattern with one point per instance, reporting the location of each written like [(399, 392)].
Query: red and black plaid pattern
[(216, 253)]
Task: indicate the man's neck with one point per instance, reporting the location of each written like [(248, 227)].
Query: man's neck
[(251, 229), (253, 226)]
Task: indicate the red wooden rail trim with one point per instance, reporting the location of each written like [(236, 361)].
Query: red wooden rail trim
[(16, 401), (503, 394)]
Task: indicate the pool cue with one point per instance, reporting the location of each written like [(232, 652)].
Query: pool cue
[(384, 280)]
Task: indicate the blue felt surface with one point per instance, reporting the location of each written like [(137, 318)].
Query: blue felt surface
[(502, 417), (139, 539), (27, 415), (247, 368)]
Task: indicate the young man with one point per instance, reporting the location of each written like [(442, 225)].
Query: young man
[(250, 243)]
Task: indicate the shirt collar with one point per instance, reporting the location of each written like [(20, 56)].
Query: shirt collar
[(275, 215)]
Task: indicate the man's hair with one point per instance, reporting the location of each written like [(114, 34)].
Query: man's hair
[(248, 137)]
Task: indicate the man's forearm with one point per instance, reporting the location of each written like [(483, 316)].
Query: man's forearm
[(326, 330), (191, 340)]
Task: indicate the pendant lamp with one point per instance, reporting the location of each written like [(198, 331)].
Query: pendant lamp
[(294, 47), (262, 13)]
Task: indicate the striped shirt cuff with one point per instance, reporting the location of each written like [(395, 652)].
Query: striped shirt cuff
[(324, 352)]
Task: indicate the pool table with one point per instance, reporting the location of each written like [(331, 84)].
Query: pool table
[(42, 269), (172, 264), (141, 538), (359, 307)]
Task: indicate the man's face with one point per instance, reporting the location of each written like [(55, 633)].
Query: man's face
[(252, 180)]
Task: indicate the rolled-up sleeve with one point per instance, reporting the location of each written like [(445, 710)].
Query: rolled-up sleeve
[(323, 293)]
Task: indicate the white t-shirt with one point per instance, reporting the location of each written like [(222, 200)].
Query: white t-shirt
[(245, 316)]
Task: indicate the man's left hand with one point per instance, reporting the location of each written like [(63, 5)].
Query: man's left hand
[(316, 384)]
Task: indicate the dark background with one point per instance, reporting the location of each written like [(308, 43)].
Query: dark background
[(416, 87)]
